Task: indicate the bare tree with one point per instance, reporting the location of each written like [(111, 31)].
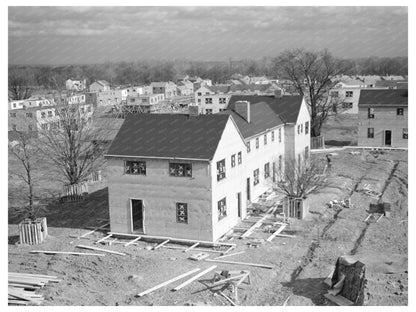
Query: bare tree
[(313, 75), (71, 142), (301, 177), (19, 88), (25, 149)]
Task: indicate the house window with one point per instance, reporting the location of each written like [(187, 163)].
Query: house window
[(14, 127), (239, 158), (298, 129), (222, 109), (301, 127), (272, 136), (222, 209), (222, 100), (266, 170), (199, 100), (405, 134), (400, 111), (29, 115), (280, 163), (306, 152), (280, 135), (256, 177), (208, 111), (89, 109), (370, 133), (257, 143), (220, 170), (348, 93), (135, 167), (370, 112), (14, 105), (233, 160), (180, 170), (307, 127), (346, 105), (181, 213), (199, 93), (248, 147), (12, 114), (334, 94), (265, 139), (208, 100), (49, 113)]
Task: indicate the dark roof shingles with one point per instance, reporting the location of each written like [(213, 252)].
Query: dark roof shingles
[(383, 97), (169, 135)]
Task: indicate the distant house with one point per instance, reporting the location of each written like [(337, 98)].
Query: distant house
[(100, 86), (112, 97), (383, 118), (34, 101), (169, 89), (76, 85), (173, 175), (146, 103), (185, 88)]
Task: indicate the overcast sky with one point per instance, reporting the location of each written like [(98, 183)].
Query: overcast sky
[(63, 35)]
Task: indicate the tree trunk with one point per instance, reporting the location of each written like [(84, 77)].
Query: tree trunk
[(316, 130)]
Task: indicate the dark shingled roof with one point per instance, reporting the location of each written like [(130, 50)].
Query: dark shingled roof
[(384, 97), (169, 135), (266, 112)]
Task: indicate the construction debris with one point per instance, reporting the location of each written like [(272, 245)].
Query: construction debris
[(194, 278), (346, 203), (100, 249), (22, 287), (229, 255), (167, 282), (264, 266), (199, 256), (51, 252)]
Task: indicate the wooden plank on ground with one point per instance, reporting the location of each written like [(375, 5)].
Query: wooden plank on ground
[(368, 217), (253, 227), (224, 281), (103, 239), (194, 278), (229, 255), (167, 282), (378, 219), (271, 237), (286, 235), (242, 263), (161, 244), (192, 247), (228, 299), (339, 300), (132, 241), (100, 249), (51, 252)]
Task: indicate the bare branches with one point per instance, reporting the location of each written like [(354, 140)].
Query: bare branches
[(300, 178), (19, 88), (313, 76)]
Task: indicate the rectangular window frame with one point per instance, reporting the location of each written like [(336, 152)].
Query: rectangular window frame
[(306, 127), (370, 113), (248, 147), (266, 170), (265, 139), (232, 160), (349, 94), (256, 177), (182, 213), (370, 133), (221, 172), (405, 133), (130, 167), (179, 169), (222, 208), (239, 158), (257, 143), (400, 111), (280, 135)]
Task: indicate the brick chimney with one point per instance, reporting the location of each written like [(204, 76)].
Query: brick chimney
[(278, 93), (243, 109), (193, 110)]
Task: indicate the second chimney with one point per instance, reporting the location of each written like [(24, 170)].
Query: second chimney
[(243, 109)]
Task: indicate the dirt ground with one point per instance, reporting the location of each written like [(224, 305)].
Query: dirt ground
[(301, 263)]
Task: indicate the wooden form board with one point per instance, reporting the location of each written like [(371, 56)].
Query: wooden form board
[(167, 282), (271, 237), (100, 249), (132, 241), (49, 252), (229, 255), (176, 240), (241, 263), (194, 278)]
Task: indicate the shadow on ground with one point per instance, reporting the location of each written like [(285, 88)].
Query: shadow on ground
[(340, 143), (84, 213), (311, 288)]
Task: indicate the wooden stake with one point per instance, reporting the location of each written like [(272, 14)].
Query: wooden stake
[(242, 263), (229, 255), (103, 239), (100, 249), (194, 278), (167, 282)]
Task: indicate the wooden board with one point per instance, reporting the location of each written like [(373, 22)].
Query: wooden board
[(194, 278), (167, 282), (161, 244), (339, 300), (100, 249), (242, 263), (271, 237), (229, 255), (49, 252), (192, 247), (132, 241)]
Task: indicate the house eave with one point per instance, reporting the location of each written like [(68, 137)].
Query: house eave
[(155, 157)]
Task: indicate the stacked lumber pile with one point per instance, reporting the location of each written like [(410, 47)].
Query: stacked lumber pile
[(22, 287)]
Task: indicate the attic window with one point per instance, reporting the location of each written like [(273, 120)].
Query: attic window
[(400, 111), (370, 113), (135, 167), (180, 169)]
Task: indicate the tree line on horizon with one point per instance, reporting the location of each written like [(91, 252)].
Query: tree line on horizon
[(145, 72)]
